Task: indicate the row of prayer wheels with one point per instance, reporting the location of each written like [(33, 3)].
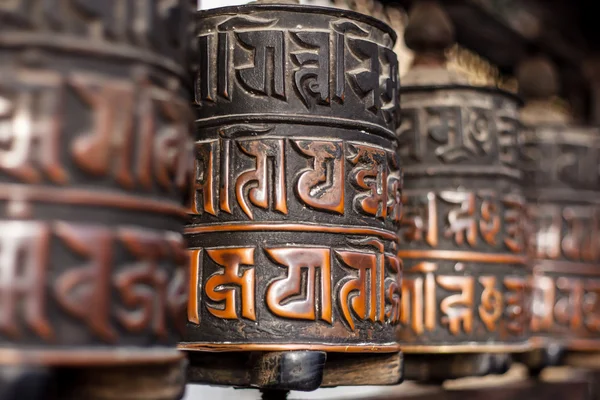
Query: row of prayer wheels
[(342, 227)]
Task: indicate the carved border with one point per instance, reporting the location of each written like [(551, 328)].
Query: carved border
[(467, 256), (290, 227), (304, 9), (312, 120), (332, 348), (82, 197), (468, 348)]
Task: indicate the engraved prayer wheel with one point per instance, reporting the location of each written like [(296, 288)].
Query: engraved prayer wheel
[(462, 238), (95, 155), (560, 160), (297, 199)]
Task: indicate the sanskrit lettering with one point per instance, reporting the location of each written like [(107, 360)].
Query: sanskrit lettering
[(115, 284), (119, 113), (30, 140), (420, 222), (266, 47), (24, 247), (363, 295), (317, 264), (322, 186), (366, 79), (312, 75), (419, 308), (234, 284), (571, 233), (249, 55), (256, 181), (461, 222), (464, 219), (260, 173), (305, 283), (455, 134), (433, 301), (370, 173), (107, 149), (567, 303)]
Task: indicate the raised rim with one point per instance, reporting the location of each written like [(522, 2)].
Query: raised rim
[(301, 8), (329, 347), (485, 89), (472, 347)]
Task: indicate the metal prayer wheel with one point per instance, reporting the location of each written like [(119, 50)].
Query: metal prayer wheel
[(94, 149), (462, 240), (295, 278), (560, 161)]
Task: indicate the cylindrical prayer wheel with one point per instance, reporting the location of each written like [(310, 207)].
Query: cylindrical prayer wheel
[(463, 233), (561, 161), (95, 150), (297, 197)]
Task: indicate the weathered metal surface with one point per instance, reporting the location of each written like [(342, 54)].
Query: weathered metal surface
[(462, 238), (560, 164), (95, 147), (561, 170), (297, 191)]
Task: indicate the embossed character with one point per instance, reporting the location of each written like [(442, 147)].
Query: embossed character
[(24, 250), (85, 291), (267, 46), (207, 157), (356, 294), (225, 286), (343, 28), (322, 187), (419, 297), (366, 80), (30, 128), (142, 284), (308, 282), (365, 293), (262, 150), (420, 221), (312, 75), (491, 307), (370, 173), (458, 308), (462, 223)]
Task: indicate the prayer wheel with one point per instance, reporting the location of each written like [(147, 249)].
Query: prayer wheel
[(295, 278), (95, 155), (560, 160), (462, 240)]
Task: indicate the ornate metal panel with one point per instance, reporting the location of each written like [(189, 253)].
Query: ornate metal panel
[(297, 194), (94, 162)]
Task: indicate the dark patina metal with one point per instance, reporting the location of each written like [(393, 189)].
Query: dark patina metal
[(463, 233), (297, 195), (94, 152), (561, 161)]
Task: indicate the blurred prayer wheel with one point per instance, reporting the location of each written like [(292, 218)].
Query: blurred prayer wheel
[(95, 143), (463, 233), (561, 163), (295, 278)]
